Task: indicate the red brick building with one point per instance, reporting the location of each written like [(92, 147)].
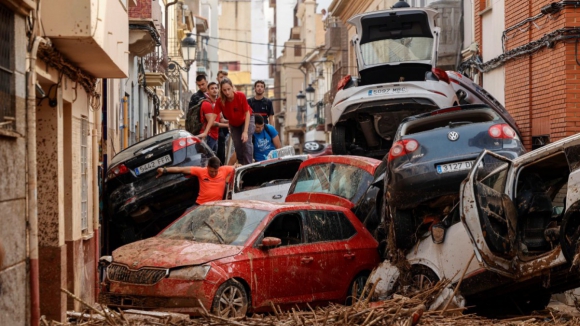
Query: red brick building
[(541, 65)]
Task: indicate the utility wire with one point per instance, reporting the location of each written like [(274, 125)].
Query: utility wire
[(258, 43)]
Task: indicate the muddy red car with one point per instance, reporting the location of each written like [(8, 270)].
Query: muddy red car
[(235, 257)]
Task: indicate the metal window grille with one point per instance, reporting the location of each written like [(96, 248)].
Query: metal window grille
[(7, 110), (84, 175)]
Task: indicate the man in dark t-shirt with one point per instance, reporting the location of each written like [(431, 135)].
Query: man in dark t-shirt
[(201, 93), (260, 104)]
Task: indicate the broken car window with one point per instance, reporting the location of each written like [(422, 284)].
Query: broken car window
[(397, 50), (342, 180), (286, 227), (216, 224)]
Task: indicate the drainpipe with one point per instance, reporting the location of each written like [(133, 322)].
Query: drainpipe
[(31, 176), (95, 143)]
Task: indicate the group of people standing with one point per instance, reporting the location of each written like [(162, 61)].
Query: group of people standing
[(248, 122)]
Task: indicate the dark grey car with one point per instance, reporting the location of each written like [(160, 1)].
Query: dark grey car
[(432, 154)]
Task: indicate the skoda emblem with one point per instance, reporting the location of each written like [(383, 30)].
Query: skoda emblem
[(148, 156), (453, 135), (135, 264)]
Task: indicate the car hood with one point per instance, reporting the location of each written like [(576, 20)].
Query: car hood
[(398, 51), (168, 253)]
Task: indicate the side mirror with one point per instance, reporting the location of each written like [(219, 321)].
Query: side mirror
[(271, 242), (438, 233)]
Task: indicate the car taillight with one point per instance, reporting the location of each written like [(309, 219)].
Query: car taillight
[(184, 142), (403, 147), (342, 83), (117, 170), (446, 110), (502, 131), (441, 74)]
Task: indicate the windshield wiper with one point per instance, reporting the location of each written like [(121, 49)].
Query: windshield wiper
[(220, 238)]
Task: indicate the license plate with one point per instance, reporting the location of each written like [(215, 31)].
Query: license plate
[(153, 164), (453, 167), (387, 91)]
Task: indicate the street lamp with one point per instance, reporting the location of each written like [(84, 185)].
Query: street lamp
[(301, 102), (310, 94), (188, 50)]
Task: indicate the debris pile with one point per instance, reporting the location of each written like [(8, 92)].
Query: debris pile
[(399, 311)]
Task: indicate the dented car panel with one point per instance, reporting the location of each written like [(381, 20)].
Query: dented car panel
[(323, 249), (521, 219)]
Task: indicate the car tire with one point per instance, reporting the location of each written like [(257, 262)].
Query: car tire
[(358, 284), (231, 300), (339, 140), (404, 227), (423, 277)]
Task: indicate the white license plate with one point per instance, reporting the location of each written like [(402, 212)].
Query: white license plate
[(453, 167), (387, 91), (153, 164)]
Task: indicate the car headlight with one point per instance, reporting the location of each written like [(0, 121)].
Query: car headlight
[(194, 273)]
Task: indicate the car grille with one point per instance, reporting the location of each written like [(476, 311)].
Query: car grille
[(133, 301), (121, 273)]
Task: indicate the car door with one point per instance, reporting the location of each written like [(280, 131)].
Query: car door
[(488, 213)]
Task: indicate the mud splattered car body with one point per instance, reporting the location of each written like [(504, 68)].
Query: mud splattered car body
[(396, 54), (255, 252), (139, 205), (520, 220), (353, 182)]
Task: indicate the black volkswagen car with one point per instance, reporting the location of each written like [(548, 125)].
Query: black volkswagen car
[(138, 205), (432, 153)]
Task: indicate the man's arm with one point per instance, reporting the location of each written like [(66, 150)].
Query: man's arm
[(210, 118), (270, 112), (164, 170), (276, 142), (271, 120)]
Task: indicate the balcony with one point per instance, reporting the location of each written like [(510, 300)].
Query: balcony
[(334, 40), (143, 33), (336, 77), (91, 34)]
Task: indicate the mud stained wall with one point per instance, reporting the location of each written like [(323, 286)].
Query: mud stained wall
[(14, 306)]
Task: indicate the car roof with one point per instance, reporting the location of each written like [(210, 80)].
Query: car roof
[(274, 160), (272, 206), (366, 163)]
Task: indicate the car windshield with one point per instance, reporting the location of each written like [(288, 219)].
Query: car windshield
[(397, 50), (229, 225), (342, 180)]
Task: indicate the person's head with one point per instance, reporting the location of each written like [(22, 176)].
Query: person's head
[(226, 90), (259, 122), (213, 165), (201, 83), (213, 90), (259, 87), (221, 75)]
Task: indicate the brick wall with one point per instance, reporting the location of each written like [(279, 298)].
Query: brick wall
[(542, 91), (141, 11)]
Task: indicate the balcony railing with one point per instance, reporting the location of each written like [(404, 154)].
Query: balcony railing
[(336, 77)]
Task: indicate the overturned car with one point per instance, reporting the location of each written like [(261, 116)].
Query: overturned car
[(397, 59), (513, 237)]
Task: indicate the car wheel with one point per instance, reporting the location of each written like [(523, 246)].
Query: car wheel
[(423, 277), (340, 140), (404, 227), (230, 300), (355, 290)]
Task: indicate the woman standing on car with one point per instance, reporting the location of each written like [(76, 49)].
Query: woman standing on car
[(236, 110)]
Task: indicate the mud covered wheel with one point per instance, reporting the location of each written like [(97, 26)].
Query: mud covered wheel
[(231, 300), (341, 139), (423, 277), (404, 227), (570, 234), (355, 290)]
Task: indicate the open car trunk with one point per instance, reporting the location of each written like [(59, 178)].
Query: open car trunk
[(396, 45)]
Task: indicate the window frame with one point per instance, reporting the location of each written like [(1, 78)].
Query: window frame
[(7, 73), (340, 216)]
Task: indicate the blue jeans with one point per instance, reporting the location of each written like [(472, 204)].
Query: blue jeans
[(212, 143)]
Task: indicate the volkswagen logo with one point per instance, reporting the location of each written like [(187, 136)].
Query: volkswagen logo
[(453, 135)]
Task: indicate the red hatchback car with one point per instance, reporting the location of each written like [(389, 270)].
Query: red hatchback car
[(235, 257)]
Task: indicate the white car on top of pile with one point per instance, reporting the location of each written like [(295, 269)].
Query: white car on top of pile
[(396, 53)]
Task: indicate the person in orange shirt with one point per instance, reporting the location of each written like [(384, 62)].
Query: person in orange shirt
[(212, 179)]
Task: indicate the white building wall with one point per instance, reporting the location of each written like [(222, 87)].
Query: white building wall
[(259, 38), (493, 25)]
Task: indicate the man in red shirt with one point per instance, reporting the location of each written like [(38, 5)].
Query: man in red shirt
[(210, 118), (236, 110), (212, 179)]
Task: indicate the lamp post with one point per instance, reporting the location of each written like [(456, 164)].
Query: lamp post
[(188, 51), (310, 94), (301, 103)]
